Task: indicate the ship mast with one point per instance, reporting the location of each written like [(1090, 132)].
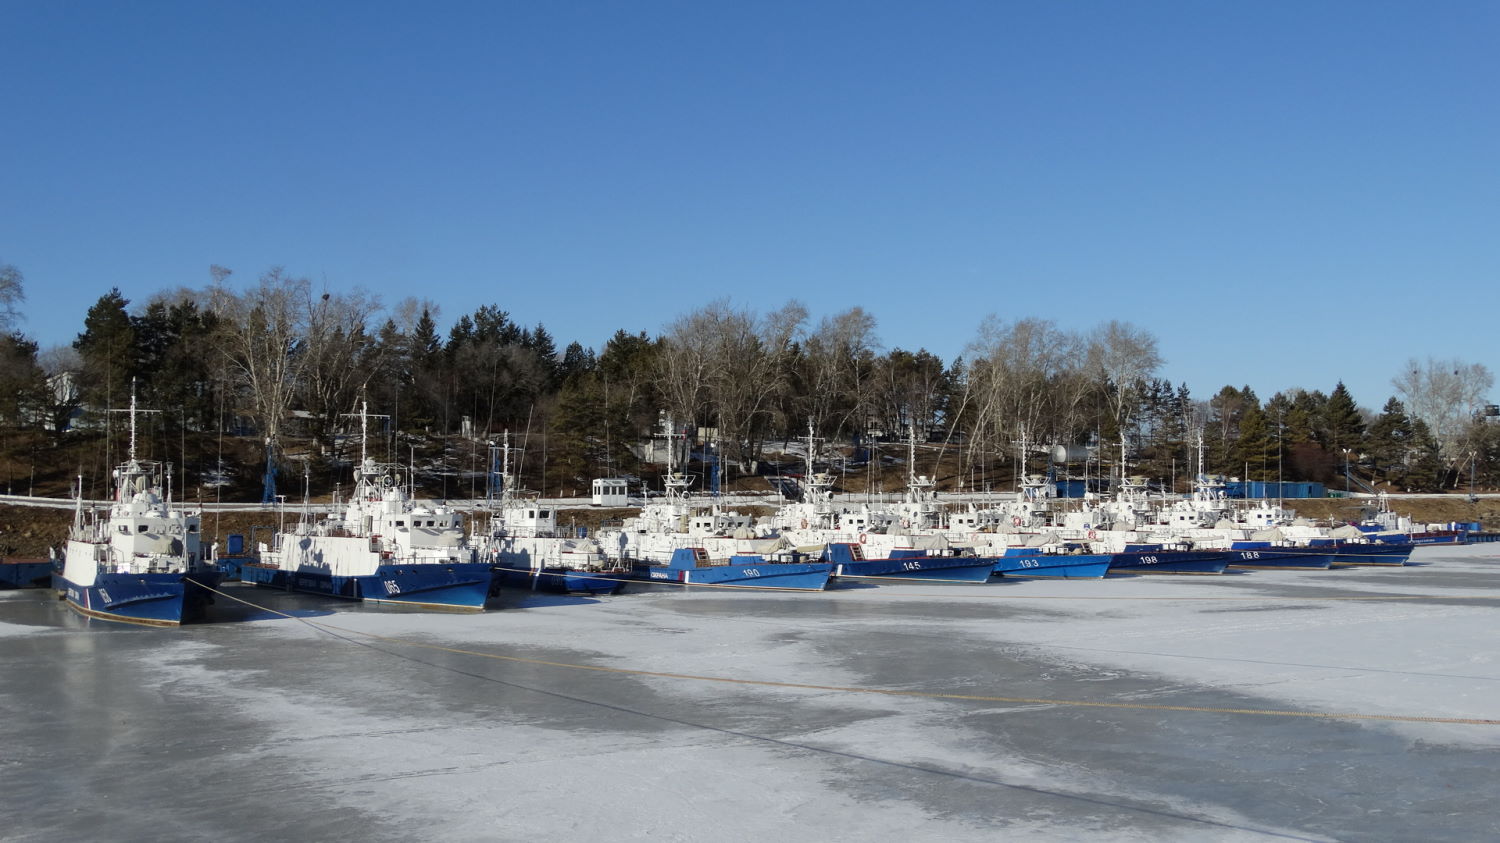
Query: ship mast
[(505, 484), (363, 474), (132, 419), (131, 468)]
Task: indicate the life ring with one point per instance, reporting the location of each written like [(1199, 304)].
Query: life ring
[(804, 523), (1015, 520), (863, 537), (1093, 534)]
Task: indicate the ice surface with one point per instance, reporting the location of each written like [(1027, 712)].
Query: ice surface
[(361, 723)]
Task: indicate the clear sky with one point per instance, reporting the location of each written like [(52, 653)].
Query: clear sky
[(1285, 192)]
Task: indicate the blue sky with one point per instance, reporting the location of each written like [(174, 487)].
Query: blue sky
[(1285, 193)]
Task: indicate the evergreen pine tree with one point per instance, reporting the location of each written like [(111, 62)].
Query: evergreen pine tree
[(1390, 438), (576, 361), (24, 396), (1342, 420), (1255, 449), (108, 348), (1222, 429)]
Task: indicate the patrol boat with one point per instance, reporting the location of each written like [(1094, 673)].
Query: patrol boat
[(905, 541), (670, 543), (385, 548), (144, 562), (527, 549)]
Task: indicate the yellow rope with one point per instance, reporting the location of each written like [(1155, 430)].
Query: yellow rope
[(862, 690)]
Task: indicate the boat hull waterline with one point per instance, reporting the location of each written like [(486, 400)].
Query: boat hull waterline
[(784, 576), (457, 587), (1168, 562), (552, 580), (146, 599), (16, 573), (1088, 566), (1279, 559)]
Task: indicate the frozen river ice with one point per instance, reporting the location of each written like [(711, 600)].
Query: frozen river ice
[(453, 727)]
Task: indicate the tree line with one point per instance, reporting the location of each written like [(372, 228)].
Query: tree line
[(285, 362)]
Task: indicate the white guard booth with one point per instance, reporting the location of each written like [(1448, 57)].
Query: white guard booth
[(611, 491)]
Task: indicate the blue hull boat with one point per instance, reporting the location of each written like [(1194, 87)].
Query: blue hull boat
[(691, 566), (849, 563), (1024, 562), (459, 586), (569, 581), (1264, 556), (1351, 555), (231, 565), (1168, 562), (25, 573), (560, 580), (149, 599), (1440, 537)]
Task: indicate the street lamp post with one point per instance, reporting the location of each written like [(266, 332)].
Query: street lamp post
[(1346, 470)]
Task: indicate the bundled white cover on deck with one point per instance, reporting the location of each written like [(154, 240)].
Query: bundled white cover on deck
[(1348, 531), (935, 542), (1271, 535), (766, 547), (1041, 540)]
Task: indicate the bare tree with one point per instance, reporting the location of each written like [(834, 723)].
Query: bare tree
[(408, 312), (1024, 382), (909, 388), (838, 359), (338, 355), (1445, 394), (261, 336), (725, 366), (59, 359), (686, 362), (1123, 357), (751, 372)]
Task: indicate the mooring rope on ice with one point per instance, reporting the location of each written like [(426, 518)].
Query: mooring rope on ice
[(335, 630)]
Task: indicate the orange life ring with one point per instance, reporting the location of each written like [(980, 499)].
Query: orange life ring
[(1093, 534), (1015, 520), (804, 523), (863, 537)]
